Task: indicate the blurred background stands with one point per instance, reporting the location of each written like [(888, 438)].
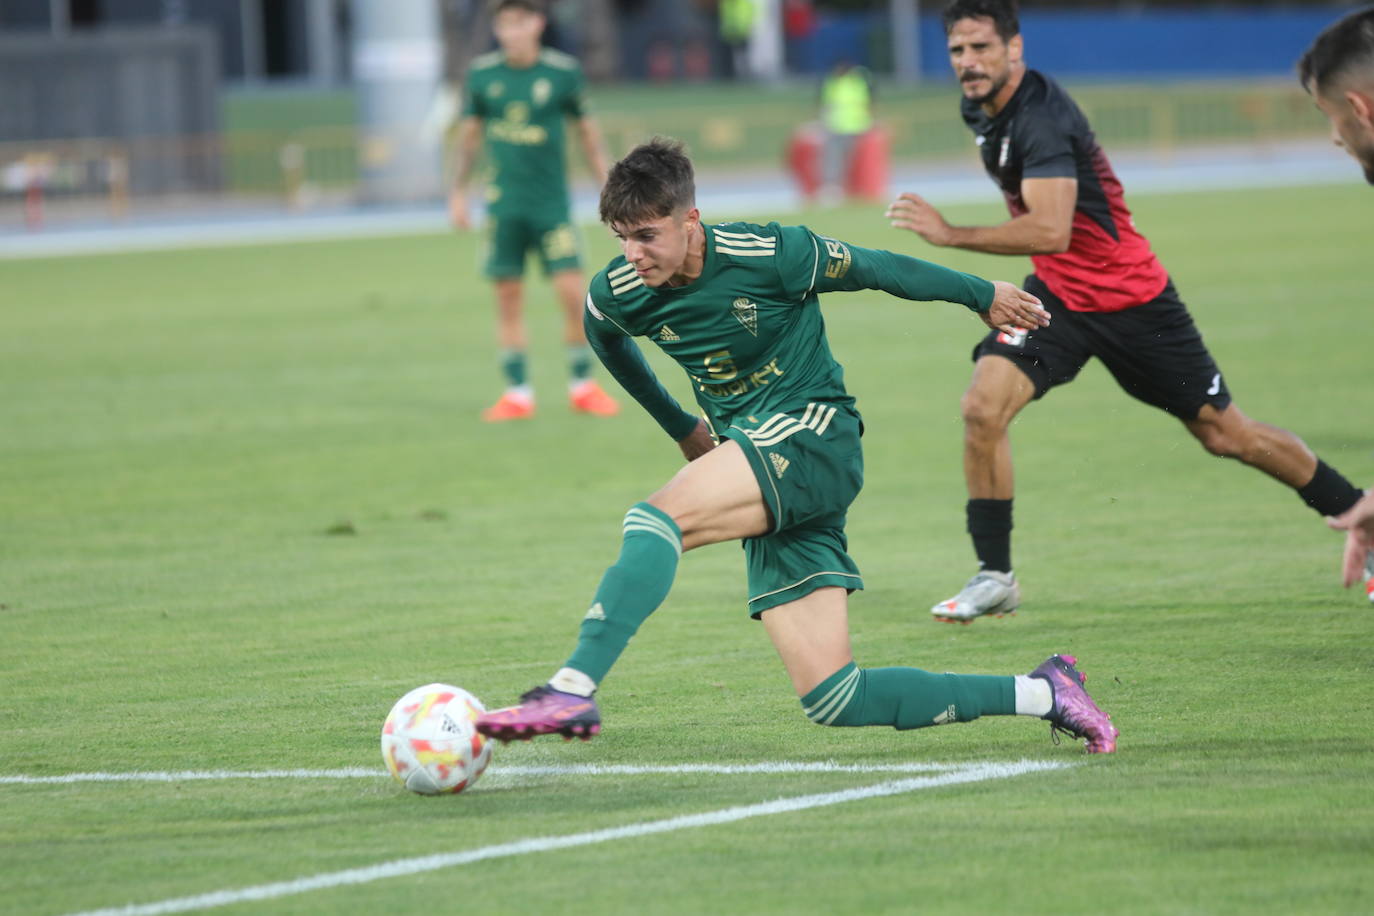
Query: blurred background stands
[(116, 107)]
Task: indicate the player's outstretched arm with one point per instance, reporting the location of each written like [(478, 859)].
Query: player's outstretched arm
[(1014, 309), (1045, 228), (1358, 525), (1001, 305)]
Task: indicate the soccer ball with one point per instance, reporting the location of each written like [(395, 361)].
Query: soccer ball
[(429, 741)]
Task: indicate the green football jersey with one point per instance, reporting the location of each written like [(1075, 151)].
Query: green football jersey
[(749, 331), (523, 110)]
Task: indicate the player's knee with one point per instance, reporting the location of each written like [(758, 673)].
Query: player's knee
[(838, 701), (982, 414), (1219, 441)]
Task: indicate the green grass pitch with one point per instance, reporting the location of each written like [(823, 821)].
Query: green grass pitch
[(245, 504)]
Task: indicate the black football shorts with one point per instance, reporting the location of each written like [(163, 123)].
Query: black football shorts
[(1154, 351)]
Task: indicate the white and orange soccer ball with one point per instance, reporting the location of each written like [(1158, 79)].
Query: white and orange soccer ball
[(430, 743)]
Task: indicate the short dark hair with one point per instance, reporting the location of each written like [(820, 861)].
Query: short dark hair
[(1001, 12), (1343, 46), (653, 181), (532, 6)]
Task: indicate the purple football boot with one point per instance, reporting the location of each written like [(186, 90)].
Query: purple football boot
[(1073, 712), (543, 711)]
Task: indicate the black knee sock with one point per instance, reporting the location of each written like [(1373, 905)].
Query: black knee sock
[(1328, 492), (989, 522)]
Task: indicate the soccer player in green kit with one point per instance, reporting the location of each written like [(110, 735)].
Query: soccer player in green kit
[(776, 461), (519, 97)]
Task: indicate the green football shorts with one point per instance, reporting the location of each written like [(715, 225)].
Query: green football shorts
[(511, 236), (810, 466)]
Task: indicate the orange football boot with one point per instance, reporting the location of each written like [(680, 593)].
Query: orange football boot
[(510, 406), (589, 397)]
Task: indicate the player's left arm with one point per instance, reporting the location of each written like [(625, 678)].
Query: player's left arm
[(593, 147), (575, 106), (1045, 228), (841, 266)]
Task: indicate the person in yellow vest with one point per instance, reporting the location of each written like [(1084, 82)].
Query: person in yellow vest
[(737, 19), (846, 115)]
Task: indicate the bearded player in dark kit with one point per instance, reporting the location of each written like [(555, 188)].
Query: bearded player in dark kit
[(1107, 293)]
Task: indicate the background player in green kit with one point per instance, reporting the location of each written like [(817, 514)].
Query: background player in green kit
[(518, 98), (736, 306)]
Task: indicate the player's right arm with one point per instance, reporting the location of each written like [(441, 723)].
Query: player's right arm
[(466, 148), (1048, 187), (626, 364), (1045, 228)]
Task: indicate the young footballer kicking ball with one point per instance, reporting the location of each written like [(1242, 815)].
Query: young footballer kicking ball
[(776, 462)]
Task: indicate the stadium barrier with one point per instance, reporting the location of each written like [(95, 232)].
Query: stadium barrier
[(725, 128)]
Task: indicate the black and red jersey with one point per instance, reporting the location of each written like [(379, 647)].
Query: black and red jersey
[(1042, 133)]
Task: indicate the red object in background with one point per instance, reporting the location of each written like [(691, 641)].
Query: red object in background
[(804, 158), (33, 203), (798, 18), (867, 175)]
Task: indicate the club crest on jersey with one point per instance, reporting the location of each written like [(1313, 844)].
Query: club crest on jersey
[(1016, 338), (540, 92), (747, 313)]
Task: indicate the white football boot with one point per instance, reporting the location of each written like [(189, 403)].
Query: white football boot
[(986, 593), (1369, 574)]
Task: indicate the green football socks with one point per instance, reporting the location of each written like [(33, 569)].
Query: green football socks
[(513, 367), (579, 362), (907, 697), (630, 590)]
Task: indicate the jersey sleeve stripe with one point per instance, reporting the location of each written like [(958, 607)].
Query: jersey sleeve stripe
[(741, 253), (746, 235), (620, 271)]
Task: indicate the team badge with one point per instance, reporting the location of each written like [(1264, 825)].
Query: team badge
[(540, 92), (747, 313)]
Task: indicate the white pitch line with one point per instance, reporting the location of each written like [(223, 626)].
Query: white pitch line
[(586, 769), (191, 776), (401, 867)]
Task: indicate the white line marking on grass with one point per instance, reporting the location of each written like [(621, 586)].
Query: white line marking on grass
[(192, 776), (586, 769), (401, 867)]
